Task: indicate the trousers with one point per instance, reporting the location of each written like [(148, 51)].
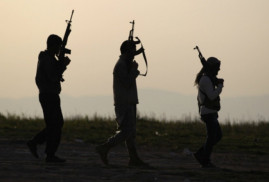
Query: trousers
[(214, 135), (51, 134), (126, 120)]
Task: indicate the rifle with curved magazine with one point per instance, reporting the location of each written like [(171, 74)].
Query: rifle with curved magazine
[(141, 50), (203, 61)]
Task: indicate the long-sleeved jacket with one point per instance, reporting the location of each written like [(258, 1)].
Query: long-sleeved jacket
[(49, 73), (208, 91), (124, 83)]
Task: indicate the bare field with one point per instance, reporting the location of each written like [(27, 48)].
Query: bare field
[(83, 164)]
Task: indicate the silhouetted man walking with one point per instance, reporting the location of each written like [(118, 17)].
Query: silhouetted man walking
[(48, 78), (125, 101)]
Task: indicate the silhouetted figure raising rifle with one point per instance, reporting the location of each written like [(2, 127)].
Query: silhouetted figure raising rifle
[(48, 80), (125, 94), (209, 90)]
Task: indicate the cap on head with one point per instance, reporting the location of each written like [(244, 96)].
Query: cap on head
[(127, 46), (53, 40)]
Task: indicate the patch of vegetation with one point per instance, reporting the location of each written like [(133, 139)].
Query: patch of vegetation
[(248, 137)]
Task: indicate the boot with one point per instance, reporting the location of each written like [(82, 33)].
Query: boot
[(200, 157), (209, 165), (54, 159), (135, 161), (102, 150), (33, 148)]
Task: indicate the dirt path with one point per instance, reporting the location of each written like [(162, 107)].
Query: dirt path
[(83, 164)]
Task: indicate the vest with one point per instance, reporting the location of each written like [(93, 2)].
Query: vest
[(210, 104)]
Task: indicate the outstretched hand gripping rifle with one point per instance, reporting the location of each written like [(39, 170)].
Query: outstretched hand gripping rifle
[(141, 50), (63, 49)]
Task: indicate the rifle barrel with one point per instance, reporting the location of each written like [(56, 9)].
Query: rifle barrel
[(71, 16)]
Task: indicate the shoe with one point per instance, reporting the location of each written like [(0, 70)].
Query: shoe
[(54, 159), (33, 149), (102, 150), (199, 158), (209, 165), (137, 163)]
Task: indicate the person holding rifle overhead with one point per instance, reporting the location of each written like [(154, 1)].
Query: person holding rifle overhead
[(125, 100), (51, 65), (209, 90)]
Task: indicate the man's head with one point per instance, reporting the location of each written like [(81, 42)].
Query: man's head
[(54, 43), (213, 66), (128, 48)]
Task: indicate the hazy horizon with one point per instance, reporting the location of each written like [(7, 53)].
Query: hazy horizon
[(159, 104)]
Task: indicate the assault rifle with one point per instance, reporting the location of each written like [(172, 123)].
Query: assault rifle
[(141, 50), (202, 59), (63, 49), (204, 63)]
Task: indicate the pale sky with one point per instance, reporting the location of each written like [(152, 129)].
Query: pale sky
[(235, 31)]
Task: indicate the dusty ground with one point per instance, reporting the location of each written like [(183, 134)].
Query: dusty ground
[(83, 164)]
